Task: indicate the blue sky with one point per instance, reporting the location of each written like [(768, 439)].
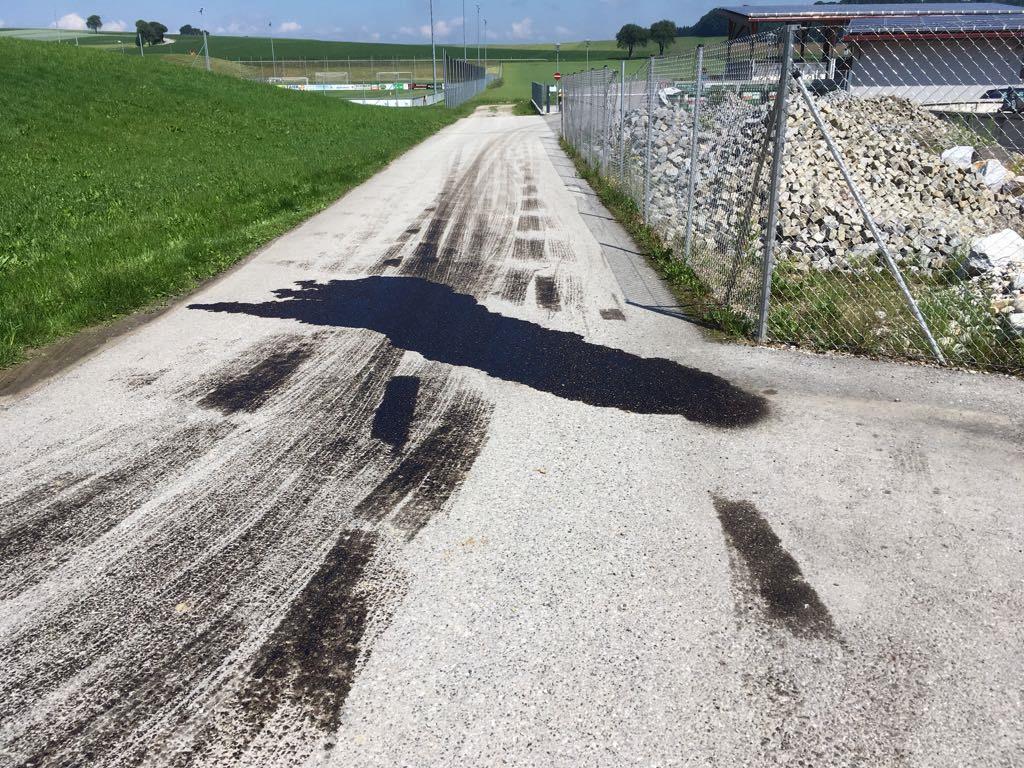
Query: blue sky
[(383, 20)]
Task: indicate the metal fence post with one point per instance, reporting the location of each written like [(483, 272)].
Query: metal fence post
[(622, 122), (779, 148), (870, 221), (694, 149), (650, 134)]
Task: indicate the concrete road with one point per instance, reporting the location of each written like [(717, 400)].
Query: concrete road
[(442, 478)]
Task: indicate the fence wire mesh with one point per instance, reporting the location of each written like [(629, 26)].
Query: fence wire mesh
[(895, 221), (463, 80)]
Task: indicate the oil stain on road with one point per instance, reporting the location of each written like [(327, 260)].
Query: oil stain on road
[(449, 327)]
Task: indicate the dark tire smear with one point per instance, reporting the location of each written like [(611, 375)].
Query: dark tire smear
[(236, 625), (772, 573)]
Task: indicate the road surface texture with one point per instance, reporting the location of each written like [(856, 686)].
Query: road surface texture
[(442, 478)]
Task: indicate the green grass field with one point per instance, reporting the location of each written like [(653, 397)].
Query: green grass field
[(127, 181), (258, 48)]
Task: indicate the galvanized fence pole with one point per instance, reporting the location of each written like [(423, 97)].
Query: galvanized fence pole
[(622, 122), (778, 151), (869, 220), (698, 88), (602, 129), (650, 136), (592, 119)]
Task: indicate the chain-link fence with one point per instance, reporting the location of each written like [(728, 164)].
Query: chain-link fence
[(857, 188), (462, 80)]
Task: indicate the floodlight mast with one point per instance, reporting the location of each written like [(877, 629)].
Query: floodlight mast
[(464, 54), (433, 49), (273, 58), (206, 41), (477, 33)]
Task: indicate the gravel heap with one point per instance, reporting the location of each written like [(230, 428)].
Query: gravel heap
[(932, 200)]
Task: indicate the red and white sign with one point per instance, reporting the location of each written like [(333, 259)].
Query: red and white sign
[(558, 75)]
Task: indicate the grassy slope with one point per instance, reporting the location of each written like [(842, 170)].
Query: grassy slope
[(127, 181)]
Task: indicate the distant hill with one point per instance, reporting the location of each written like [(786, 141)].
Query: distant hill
[(709, 25)]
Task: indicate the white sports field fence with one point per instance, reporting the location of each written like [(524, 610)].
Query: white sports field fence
[(856, 188), (393, 81)]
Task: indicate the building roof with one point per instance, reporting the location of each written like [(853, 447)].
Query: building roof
[(841, 13), (952, 23)]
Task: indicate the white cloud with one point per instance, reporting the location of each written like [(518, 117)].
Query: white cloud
[(116, 26), (241, 28), (522, 29), (68, 21), (3, 23), (442, 28), (289, 26), (563, 31), (375, 36)]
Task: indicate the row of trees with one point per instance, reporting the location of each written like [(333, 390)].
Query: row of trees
[(663, 33), (146, 32), (151, 32)]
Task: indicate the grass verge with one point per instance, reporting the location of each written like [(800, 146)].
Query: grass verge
[(127, 182)]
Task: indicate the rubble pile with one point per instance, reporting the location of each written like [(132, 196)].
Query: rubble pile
[(937, 204)]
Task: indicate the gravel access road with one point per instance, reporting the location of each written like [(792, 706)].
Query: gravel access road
[(443, 477)]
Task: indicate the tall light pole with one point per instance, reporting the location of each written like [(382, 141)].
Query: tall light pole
[(206, 42), (273, 58), (485, 48), (464, 54), (478, 33), (588, 53), (433, 50), (142, 44)]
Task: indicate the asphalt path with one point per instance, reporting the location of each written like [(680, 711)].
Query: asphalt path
[(444, 477)]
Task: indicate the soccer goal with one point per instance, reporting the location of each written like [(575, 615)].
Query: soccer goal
[(288, 81), (331, 77), (394, 77)]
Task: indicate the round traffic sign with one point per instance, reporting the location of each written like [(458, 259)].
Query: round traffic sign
[(558, 75)]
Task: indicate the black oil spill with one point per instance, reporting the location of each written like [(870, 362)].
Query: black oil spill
[(514, 285), (774, 575), (612, 314), (394, 414), (249, 389), (449, 327), (311, 656), (391, 263), (528, 250), (528, 224), (531, 204), (547, 293), (529, 189)]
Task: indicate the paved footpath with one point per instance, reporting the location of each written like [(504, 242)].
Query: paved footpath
[(442, 478)]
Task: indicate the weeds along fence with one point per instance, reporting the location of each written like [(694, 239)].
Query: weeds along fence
[(856, 188)]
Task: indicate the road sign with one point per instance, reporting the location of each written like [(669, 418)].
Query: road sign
[(558, 75)]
